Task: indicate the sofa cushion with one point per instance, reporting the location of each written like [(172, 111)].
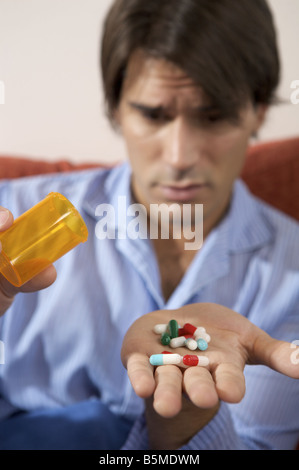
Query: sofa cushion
[(271, 172), (17, 166)]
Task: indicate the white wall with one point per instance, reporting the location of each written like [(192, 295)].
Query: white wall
[(49, 65), (284, 121)]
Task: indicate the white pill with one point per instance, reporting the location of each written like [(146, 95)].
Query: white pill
[(160, 329), (191, 344), (204, 336), (177, 342)]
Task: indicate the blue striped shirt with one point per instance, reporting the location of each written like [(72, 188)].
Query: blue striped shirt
[(62, 344)]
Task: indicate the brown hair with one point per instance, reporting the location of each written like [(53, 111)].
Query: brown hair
[(227, 47)]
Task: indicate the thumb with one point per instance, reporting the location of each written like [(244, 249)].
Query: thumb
[(6, 219), (276, 354)]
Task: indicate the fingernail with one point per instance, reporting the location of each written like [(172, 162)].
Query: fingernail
[(4, 214)]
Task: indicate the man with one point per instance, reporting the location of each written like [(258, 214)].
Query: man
[(187, 83)]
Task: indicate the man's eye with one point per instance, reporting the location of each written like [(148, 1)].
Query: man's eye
[(153, 115), (210, 119), (214, 117)]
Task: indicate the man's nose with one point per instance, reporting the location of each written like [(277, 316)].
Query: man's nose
[(181, 145)]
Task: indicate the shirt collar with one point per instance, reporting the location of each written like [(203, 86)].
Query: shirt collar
[(248, 228), (113, 187)]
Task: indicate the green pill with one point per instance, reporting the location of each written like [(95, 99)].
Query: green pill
[(165, 339), (173, 328)]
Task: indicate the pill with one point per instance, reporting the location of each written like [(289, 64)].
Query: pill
[(196, 331), (165, 339), (173, 328), (202, 344), (193, 360), (190, 328), (200, 330), (204, 336), (190, 343), (183, 332), (160, 328), (179, 341), (163, 359)]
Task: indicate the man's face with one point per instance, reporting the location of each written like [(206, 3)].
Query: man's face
[(180, 149)]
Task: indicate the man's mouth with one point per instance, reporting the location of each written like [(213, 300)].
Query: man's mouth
[(181, 192)]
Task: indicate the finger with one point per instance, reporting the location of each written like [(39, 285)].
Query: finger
[(200, 387), (230, 382), (141, 375), (39, 282), (6, 219), (168, 393)]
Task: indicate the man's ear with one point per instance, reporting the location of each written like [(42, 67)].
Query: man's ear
[(261, 111)]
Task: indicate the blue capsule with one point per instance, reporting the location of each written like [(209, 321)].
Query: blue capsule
[(202, 344)]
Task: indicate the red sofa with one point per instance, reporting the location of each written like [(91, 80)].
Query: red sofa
[(272, 173)]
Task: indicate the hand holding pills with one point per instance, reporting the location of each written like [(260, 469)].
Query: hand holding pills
[(185, 392), (234, 342)]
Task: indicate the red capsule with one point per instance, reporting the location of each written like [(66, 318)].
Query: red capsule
[(189, 328), (183, 332), (190, 360)]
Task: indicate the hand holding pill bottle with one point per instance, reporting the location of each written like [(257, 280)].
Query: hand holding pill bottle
[(39, 237)]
